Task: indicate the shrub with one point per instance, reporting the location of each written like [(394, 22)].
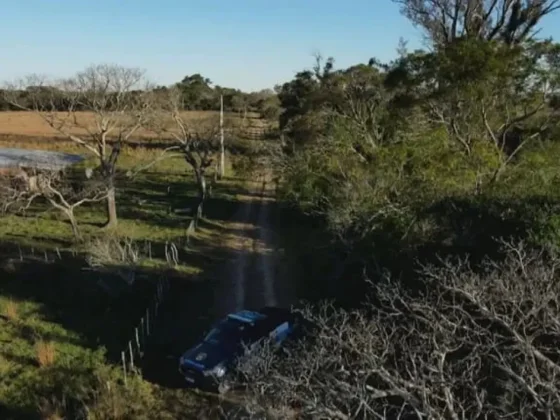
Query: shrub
[(46, 353), (10, 310), (472, 344)]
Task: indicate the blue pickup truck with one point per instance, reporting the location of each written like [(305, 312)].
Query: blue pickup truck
[(207, 364)]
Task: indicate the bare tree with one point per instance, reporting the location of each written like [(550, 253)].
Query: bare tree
[(56, 188), (99, 109), (196, 141), (444, 21), (469, 345), (111, 254)]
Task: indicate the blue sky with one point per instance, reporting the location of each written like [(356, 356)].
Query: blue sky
[(246, 44)]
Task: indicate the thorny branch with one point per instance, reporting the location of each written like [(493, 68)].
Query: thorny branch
[(468, 345)]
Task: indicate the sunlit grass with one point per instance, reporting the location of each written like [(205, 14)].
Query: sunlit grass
[(46, 353), (32, 332), (10, 310)]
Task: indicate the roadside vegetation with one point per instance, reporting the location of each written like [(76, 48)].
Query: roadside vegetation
[(419, 211), (436, 177)]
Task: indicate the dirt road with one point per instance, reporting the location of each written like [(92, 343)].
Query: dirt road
[(253, 276)]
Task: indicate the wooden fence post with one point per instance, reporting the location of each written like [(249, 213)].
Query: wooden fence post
[(131, 355), (148, 322), (137, 340), (123, 356)]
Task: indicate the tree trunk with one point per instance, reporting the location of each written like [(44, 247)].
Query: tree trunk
[(202, 194), (74, 223), (112, 219), (108, 166)]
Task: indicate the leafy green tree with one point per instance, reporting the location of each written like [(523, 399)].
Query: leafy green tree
[(269, 108), (444, 21), (228, 95), (196, 92), (485, 94), (297, 98)]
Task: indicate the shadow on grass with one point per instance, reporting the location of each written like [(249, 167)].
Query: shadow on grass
[(13, 413), (235, 282), (162, 202), (72, 297)]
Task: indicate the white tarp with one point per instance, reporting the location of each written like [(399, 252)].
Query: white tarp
[(40, 159)]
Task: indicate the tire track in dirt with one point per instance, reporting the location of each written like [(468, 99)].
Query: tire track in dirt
[(265, 252), (251, 277), (262, 271), (248, 279)]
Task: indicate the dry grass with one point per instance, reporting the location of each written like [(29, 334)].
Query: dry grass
[(5, 365), (10, 311), (30, 124), (51, 409), (46, 353)]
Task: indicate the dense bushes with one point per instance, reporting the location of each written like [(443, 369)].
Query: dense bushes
[(79, 387), (447, 155), (473, 344), (423, 156)]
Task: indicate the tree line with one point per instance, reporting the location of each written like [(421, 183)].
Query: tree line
[(120, 102), (455, 119), (198, 93), (436, 175)]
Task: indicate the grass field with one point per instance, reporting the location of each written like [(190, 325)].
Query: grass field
[(30, 124), (60, 333), (56, 322)]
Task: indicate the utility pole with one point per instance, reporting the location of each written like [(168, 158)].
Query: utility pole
[(222, 150)]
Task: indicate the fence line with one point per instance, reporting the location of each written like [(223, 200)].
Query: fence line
[(171, 253), (46, 255), (252, 132), (136, 345)]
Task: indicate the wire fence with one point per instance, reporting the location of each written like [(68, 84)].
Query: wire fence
[(140, 334), (134, 350), (138, 339), (253, 133), (47, 256)]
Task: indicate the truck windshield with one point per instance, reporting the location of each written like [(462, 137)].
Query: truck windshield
[(227, 330)]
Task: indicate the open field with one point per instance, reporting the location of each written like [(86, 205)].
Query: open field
[(54, 316), (30, 124)]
